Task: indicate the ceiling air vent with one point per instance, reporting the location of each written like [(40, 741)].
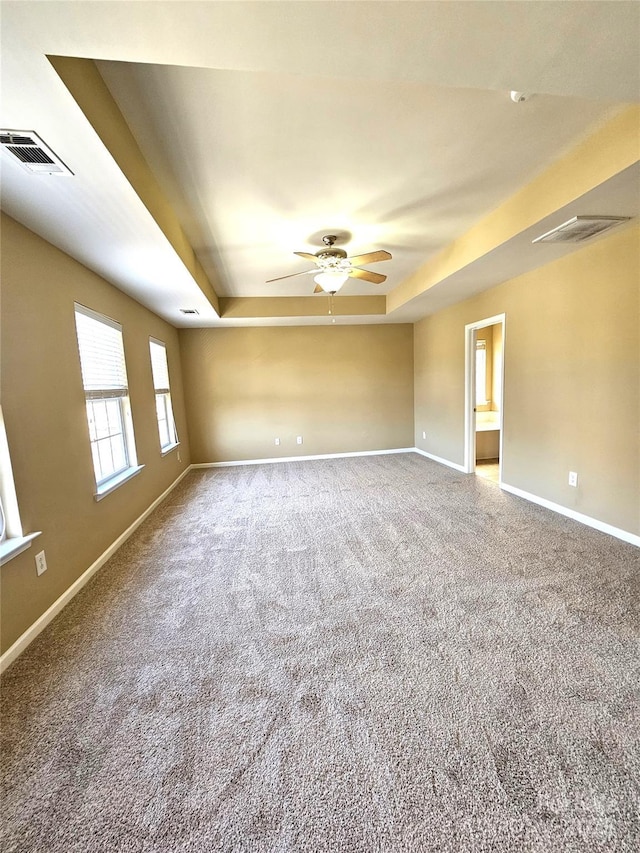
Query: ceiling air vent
[(32, 153), (189, 311), (580, 228)]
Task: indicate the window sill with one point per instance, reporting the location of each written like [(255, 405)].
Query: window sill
[(10, 548), (165, 450), (112, 484)]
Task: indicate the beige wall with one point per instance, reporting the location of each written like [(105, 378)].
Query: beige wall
[(343, 388), (572, 379), (43, 405)]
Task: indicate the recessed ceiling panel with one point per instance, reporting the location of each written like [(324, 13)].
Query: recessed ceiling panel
[(257, 163)]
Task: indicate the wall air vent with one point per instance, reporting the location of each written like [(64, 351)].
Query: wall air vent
[(580, 228), (32, 153), (189, 311)]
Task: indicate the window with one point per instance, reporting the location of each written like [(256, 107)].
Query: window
[(104, 377), (12, 538), (164, 410), (481, 373)]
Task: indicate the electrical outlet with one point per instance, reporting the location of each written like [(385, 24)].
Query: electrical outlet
[(424, 435), (277, 442), (41, 563), (299, 439), (573, 478), (179, 457)]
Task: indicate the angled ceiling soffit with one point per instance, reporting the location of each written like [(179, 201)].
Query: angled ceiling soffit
[(253, 307), (85, 84), (608, 151)]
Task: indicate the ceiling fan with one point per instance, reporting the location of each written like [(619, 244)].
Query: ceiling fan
[(335, 267)]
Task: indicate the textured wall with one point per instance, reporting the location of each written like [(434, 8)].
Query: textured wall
[(43, 405), (343, 388), (572, 379)]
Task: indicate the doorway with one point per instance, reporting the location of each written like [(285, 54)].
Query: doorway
[(484, 397)]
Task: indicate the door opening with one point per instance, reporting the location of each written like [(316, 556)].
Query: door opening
[(484, 392)]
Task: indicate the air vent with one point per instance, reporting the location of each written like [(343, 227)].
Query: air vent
[(32, 153), (580, 228), (189, 311)]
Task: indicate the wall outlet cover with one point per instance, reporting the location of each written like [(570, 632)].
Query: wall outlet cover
[(41, 563)]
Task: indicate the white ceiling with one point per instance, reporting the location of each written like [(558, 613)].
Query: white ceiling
[(269, 124)]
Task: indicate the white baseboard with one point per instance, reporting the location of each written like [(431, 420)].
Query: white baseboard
[(41, 623), (273, 459), (625, 535), (619, 533), (439, 459)]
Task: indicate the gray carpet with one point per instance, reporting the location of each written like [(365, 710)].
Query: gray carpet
[(368, 654)]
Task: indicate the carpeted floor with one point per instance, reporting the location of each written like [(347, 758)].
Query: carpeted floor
[(358, 655)]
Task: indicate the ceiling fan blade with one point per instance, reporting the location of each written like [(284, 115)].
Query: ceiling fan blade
[(367, 275), (307, 256), (318, 289), (293, 275), (370, 258)]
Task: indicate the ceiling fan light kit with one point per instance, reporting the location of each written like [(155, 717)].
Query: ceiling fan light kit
[(335, 267), (332, 281)]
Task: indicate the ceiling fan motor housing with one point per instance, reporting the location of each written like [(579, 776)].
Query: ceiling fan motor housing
[(329, 256), (333, 261), (331, 253)]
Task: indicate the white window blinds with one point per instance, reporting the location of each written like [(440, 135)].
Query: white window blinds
[(159, 367), (101, 354)]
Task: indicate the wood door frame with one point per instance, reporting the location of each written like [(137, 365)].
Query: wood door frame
[(470, 336)]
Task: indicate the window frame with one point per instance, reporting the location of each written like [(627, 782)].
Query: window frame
[(162, 393), (13, 540), (106, 483), (481, 372)]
